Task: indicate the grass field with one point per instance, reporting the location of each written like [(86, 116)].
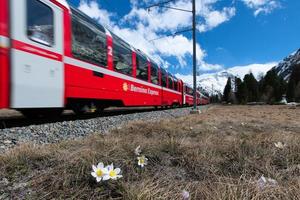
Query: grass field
[(220, 154)]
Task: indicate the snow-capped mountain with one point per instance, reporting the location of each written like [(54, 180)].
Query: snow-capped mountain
[(285, 67), (216, 81)]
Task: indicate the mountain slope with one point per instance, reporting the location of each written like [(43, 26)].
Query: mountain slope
[(285, 67)]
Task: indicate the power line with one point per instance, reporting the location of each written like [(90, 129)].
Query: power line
[(174, 8), (159, 4), (172, 34)]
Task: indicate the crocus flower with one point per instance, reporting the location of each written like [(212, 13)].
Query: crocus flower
[(112, 173), (142, 161), (99, 171), (185, 195), (138, 150), (266, 182), (279, 145)]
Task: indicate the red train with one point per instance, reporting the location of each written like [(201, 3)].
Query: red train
[(53, 56)]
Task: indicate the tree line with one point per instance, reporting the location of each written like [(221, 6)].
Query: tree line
[(270, 89)]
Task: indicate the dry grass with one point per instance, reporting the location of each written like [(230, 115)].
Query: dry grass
[(218, 155)]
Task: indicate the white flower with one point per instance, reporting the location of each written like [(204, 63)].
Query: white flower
[(185, 195), (142, 161), (280, 145), (138, 150), (112, 173), (99, 171), (265, 182)]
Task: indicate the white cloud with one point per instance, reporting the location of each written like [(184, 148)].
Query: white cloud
[(215, 18), (210, 16), (93, 10), (262, 6), (139, 26)]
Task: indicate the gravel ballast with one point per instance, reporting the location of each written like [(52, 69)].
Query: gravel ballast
[(68, 130)]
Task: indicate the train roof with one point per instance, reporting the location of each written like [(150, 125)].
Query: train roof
[(64, 3)]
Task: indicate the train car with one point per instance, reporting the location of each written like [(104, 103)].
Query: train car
[(55, 57), (204, 100), (188, 95)]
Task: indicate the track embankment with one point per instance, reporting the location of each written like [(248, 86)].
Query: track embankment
[(69, 127)]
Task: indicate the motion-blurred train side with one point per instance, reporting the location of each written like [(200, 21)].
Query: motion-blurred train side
[(54, 57)]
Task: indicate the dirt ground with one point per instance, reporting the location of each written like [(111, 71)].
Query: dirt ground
[(220, 154)]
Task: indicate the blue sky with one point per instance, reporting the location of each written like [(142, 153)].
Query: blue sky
[(230, 32)]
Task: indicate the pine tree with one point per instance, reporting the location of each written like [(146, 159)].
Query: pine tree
[(241, 91), (273, 87), (293, 82), (227, 90), (290, 93), (295, 75), (279, 88), (297, 92), (252, 87)]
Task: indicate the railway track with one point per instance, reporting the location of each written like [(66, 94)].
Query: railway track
[(10, 118)]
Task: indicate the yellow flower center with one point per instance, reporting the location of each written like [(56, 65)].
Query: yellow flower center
[(112, 173), (99, 172), (142, 160)]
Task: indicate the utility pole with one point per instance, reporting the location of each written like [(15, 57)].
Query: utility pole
[(194, 55), (194, 43)]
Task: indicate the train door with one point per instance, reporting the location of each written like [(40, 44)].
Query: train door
[(37, 71), (184, 94)]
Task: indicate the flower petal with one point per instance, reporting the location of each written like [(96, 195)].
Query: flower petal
[(110, 167), (100, 165), (106, 177), (94, 174), (98, 179), (117, 170), (119, 176), (94, 167), (105, 170)]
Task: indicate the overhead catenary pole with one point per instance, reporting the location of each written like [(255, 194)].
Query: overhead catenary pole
[(161, 4), (194, 55)]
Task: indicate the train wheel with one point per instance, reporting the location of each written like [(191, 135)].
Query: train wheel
[(99, 110), (79, 111)]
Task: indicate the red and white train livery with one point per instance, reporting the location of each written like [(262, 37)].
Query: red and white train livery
[(53, 56)]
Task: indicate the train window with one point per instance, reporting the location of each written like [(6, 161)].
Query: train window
[(170, 82), (154, 73), (40, 25), (191, 91), (175, 85), (88, 40), (163, 78), (141, 68), (122, 56)]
